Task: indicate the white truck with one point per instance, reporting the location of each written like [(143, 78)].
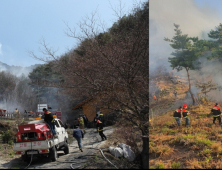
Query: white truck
[(36, 139)]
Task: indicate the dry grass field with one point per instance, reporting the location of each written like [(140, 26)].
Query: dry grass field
[(196, 147)]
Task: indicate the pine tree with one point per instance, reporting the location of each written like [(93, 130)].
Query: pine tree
[(187, 50)]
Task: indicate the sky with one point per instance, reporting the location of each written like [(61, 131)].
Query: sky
[(24, 24)]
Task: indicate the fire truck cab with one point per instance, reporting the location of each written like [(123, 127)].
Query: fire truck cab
[(36, 139)]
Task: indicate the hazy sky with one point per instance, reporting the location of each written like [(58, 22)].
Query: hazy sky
[(24, 23), (195, 17)]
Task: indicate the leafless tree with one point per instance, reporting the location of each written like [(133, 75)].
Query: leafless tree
[(112, 67)]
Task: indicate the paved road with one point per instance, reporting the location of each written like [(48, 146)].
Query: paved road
[(75, 157)]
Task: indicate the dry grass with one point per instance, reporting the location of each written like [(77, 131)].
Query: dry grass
[(202, 137)]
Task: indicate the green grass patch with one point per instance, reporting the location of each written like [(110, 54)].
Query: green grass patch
[(206, 151), (160, 166), (189, 136), (175, 165), (204, 115), (151, 144), (206, 142), (166, 130)]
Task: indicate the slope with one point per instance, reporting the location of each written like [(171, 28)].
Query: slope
[(198, 146)]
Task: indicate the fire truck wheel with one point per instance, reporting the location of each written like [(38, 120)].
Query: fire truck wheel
[(66, 150), (53, 154)]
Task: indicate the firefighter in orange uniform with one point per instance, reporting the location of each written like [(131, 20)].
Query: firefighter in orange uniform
[(185, 115), (216, 113), (99, 125), (48, 118), (178, 115)]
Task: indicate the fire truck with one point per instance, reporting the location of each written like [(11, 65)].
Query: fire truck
[(2, 112), (54, 112), (36, 139)]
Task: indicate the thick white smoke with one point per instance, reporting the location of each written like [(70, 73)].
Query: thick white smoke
[(193, 20)]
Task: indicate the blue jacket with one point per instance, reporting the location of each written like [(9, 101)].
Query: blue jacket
[(78, 133)]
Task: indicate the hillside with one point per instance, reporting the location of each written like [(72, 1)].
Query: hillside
[(162, 87), (198, 146), (17, 70)]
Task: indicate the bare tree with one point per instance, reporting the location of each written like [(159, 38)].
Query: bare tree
[(112, 67)]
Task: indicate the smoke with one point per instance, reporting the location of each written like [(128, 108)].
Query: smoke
[(193, 20)]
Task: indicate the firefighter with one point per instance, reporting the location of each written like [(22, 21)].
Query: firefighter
[(185, 115), (17, 113), (216, 113), (175, 93), (48, 118), (101, 118), (178, 114), (95, 119), (99, 125), (81, 123), (85, 121), (154, 98)]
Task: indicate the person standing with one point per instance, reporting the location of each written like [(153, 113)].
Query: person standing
[(85, 121), (99, 125), (97, 116), (175, 93), (76, 123), (16, 113), (78, 135), (216, 113), (48, 118), (185, 115), (25, 114), (81, 123), (101, 118), (178, 114)]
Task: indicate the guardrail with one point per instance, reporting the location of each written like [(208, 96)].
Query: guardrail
[(15, 116)]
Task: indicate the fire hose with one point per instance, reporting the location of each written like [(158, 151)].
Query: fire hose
[(71, 165)]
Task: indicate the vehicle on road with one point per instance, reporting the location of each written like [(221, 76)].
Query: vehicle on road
[(36, 139), (2, 112)]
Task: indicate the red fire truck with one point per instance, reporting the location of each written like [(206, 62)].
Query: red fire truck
[(54, 112), (36, 139)]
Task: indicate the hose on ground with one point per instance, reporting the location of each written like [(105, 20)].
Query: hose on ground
[(107, 159), (96, 149), (31, 158)]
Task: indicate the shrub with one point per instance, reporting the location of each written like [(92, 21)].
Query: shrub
[(152, 167), (208, 159), (175, 165), (151, 144), (206, 151), (203, 142), (165, 130), (172, 132), (167, 123), (160, 166), (7, 136)]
